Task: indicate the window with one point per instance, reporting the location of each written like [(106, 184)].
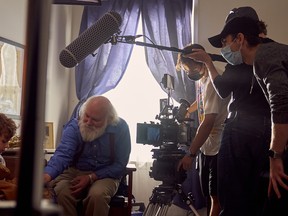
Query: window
[(137, 100)]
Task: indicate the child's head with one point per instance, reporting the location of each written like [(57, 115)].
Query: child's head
[(7, 131), (193, 69)]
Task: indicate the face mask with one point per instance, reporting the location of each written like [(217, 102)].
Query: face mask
[(233, 58), (195, 77), (196, 74)]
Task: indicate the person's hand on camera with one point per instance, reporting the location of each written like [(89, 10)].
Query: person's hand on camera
[(185, 163)]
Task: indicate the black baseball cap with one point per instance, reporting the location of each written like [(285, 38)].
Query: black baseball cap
[(234, 13), (242, 12)]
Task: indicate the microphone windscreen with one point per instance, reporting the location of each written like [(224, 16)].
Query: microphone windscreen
[(91, 39)]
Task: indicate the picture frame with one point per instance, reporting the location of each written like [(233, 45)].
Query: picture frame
[(163, 103), (11, 77), (49, 136)]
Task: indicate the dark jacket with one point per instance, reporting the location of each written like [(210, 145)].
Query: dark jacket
[(271, 69)]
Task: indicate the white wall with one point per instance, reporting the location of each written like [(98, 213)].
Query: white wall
[(212, 15), (60, 93), (13, 20)]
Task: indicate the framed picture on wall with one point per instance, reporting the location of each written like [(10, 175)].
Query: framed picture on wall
[(49, 136), (11, 76)]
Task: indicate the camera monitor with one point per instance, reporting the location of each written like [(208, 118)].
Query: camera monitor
[(149, 134), (157, 134)]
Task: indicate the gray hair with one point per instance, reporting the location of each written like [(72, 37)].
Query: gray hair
[(112, 115)]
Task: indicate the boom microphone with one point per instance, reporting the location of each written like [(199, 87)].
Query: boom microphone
[(214, 57), (91, 39)]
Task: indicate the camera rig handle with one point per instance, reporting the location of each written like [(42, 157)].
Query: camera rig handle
[(189, 199)]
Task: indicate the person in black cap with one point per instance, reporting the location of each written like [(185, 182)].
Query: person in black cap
[(240, 12), (243, 164), (241, 42)]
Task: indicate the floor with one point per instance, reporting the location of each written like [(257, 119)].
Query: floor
[(157, 210), (202, 212)]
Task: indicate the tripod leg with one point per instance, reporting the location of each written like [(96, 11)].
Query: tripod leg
[(158, 210), (147, 209), (151, 210), (194, 210), (165, 209)]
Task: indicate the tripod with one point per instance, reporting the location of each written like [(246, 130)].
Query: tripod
[(187, 199), (161, 200)]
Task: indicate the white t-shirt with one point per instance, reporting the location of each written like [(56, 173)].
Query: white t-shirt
[(209, 102)]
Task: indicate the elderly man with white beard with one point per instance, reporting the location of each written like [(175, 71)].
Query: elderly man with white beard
[(90, 159)]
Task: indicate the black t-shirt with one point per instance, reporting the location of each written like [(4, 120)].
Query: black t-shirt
[(246, 94)]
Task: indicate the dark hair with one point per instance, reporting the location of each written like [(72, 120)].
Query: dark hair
[(253, 40), (7, 126), (262, 27)]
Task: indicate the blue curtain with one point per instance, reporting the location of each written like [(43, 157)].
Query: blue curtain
[(168, 23), (165, 22), (101, 73)]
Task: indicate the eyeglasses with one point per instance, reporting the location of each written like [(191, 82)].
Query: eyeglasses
[(224, 40)]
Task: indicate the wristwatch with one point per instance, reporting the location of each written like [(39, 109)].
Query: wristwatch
[(274, 154)]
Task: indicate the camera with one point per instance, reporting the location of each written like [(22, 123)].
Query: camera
[(172, 129), (169, 134)]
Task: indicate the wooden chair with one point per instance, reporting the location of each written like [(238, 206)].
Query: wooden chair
[(119, 204), (125, 208)]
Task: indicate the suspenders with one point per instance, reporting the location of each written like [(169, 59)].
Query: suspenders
[(112, 152)]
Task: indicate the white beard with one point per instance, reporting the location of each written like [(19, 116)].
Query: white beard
[(90, 133)]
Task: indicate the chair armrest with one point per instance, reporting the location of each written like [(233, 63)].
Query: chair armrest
[(130, 168)]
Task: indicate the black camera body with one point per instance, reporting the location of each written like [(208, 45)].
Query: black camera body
[(168, 133), (172, 132), (173, 128)]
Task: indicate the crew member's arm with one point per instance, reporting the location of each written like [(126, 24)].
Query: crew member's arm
[(201, 136), (276, 83), (202, 133), (191, 109), (223, 83), (201, 56), (279, 137)]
